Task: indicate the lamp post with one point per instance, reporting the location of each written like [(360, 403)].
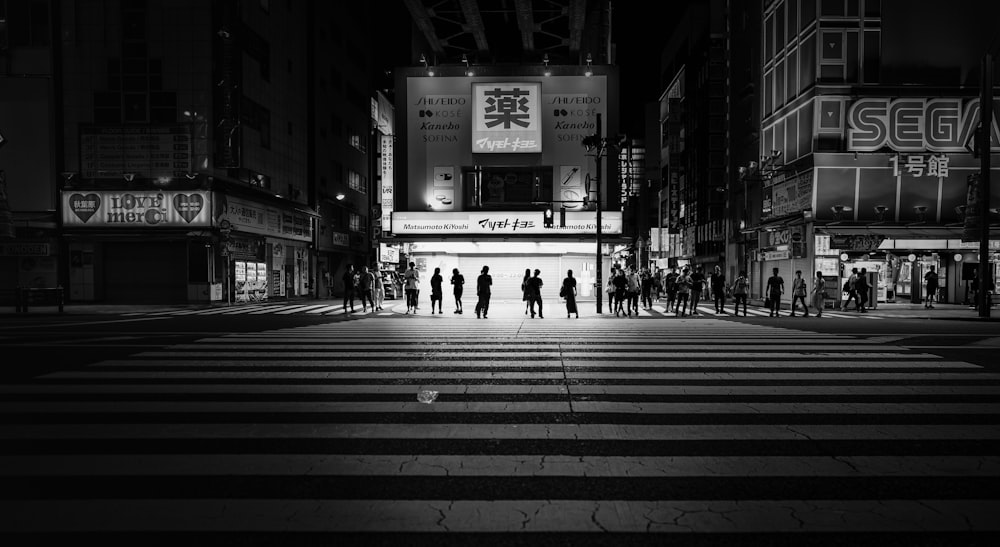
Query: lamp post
[(597, 143)]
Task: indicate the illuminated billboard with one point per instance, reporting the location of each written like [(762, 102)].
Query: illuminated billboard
[(136, 208), (506, 118)]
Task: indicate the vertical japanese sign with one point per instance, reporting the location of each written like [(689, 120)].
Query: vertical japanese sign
[(387, 183), (506, 118)]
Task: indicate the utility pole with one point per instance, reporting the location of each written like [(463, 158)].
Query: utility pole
[(985, 138)]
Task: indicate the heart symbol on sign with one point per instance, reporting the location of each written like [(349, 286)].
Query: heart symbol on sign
[(188, 205), (84, 206)]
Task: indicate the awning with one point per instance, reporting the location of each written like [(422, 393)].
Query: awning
[(900, 232)]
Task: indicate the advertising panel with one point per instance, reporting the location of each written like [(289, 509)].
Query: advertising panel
[(504, 222), (145, 151), (255, 218), (506, 118), (444, 121), (388, 183), (136, 208)]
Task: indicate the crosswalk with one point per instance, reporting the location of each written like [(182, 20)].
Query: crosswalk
[(338, 310), (736, 431)]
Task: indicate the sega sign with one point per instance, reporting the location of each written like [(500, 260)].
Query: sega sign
[(915, 125)]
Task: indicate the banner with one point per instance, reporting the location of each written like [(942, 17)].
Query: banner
[(973, 225), (136, 208), (503, 223)]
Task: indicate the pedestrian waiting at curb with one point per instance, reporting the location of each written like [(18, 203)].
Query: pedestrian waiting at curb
[(366, 283), (411, 280), (683, 291), (525, 297), (718, 283), (535, 294), (670, 289), (861, 288), (775, 288), (568, 291), (458, 280), (350, 282), (697, 288), (799, 294), (436, 294), (484, 287), (931, 277), (740, 290)]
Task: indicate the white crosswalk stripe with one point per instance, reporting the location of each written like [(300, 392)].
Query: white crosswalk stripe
[(378, 426)]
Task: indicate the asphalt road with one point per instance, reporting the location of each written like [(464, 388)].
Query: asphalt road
[(295, 429)]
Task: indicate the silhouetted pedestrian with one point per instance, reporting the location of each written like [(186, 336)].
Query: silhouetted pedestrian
[(436, 294), (458, 280), (568, 291), (484, 284)]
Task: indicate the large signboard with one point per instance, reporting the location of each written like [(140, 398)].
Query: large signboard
[(136, 208), (502, 223), (251, 217), (915, 124), (506, 118), (446, 116), (787, 197), (147, 152), (388, 183)]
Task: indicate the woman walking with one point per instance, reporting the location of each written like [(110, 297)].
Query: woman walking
[(458, 280), (568, 292), (819, 294), (741, 288)]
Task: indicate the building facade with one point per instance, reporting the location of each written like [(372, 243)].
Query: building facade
[(191, 152), (866, 142), (491, 170)]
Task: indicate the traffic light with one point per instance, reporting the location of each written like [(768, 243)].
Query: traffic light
[(548, 217), (562, 217)]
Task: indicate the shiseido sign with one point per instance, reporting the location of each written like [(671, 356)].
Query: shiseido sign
[(914, 125)]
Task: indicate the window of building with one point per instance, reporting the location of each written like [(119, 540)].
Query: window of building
[(356, 182), (769, 38), (832, 8), (779, 85), (793, 19), (872, 56), (779, 28), (356, 223), (791, 75), (805, 129), (807, 13), (807, 62), (873, 8), (768, 92)]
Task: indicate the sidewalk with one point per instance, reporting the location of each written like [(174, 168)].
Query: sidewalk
[(553, 308)]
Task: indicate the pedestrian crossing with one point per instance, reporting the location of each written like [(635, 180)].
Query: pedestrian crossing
[(741, 433), (338, 310)]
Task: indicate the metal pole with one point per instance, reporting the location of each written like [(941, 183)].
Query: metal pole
[(986, 125), (600, 152)]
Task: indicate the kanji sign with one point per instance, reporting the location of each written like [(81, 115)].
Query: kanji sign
[(506, 118)]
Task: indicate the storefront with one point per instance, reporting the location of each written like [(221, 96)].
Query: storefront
[(171, 246)]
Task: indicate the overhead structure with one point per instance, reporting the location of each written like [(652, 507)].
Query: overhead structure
[(511, 31)]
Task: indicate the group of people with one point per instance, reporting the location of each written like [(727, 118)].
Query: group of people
[(686, 287), (627, 286), (366, 284), (531, 293)]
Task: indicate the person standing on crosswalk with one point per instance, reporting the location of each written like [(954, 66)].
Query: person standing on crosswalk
[(819, 293), (697, 288), (568, 291), (484, 288), (350, 281), (379, 287), (717, 282), (366, 282)]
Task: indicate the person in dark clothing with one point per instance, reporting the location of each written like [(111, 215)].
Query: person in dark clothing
[(525, 297), (775, 288), (568, 292), (534, 291), (647, 283), (436, 294), (458, 280), (621, 288), (349, 284), (718, 285), (861, 287), (484, 285)]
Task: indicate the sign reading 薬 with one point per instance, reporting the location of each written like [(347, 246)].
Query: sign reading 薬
[(506, 118)]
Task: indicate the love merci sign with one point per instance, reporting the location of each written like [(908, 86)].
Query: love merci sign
[(135, 208)]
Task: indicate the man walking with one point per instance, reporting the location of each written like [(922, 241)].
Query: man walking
[(861, 288), (411, 280), (799, 294), (931, 277)]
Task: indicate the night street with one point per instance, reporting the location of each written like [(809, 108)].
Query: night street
[(243, 429)]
